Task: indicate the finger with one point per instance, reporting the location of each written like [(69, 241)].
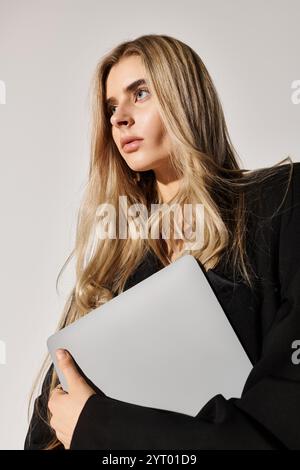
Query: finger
[(54, 395), (68, 367), (60, 388), (51, 422), (56, 391)]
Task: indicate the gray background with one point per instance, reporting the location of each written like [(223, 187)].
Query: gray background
[(48, 52)]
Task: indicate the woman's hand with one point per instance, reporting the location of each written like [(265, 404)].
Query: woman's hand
[(67, 406)]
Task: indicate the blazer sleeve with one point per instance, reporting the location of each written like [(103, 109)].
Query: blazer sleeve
[(266, 416), (39, 433)]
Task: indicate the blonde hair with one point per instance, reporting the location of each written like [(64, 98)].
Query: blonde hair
[(202, 155)]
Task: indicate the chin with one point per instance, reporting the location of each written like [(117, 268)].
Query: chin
[(136, 165)]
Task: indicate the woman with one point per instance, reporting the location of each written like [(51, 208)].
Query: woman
[(156, 88)]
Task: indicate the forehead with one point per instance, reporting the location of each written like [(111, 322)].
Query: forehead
[(126, 71)]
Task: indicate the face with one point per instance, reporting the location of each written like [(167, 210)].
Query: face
[(134, 113)]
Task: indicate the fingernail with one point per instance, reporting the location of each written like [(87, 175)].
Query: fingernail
[(60, 353)]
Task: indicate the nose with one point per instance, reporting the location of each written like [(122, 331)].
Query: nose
[(121, 117), (122, 121)]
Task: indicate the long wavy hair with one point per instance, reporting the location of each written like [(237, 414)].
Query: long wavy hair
[(203, 157)]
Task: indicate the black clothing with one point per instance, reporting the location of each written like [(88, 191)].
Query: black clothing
[(267, 320)]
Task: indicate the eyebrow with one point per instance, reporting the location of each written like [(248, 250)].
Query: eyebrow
[(131, 87)]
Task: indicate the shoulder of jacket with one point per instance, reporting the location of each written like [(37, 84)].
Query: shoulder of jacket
[(276, 191)]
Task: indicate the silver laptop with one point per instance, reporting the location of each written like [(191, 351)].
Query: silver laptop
[(164, 343)]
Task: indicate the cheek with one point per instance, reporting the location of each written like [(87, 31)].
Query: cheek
[(153, 130), (161, 140), (114, 135)]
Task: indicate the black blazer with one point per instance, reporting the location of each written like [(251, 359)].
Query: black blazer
[(267, 320)]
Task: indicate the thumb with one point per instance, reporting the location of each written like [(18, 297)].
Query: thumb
[(68, 367)]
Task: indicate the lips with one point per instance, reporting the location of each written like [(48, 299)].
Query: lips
[(129, 138), (132, 145), (131, 142)]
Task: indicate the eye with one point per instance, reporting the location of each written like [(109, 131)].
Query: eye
[(140, 90)]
